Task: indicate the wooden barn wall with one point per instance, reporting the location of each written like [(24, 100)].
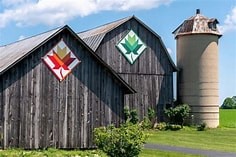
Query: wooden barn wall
[(1, 113), (39, 111), (155, 91), (152, 73)]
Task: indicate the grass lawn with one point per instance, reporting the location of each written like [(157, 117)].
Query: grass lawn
[(222, 139), (228, 118), (89, 153), (51, 153), (158, 153)]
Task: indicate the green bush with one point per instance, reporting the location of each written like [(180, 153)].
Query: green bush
[(173, 127), (152, 116), (131, 115), (146, 123), (178, 114), (201, 127), (161, 126), (126, 141), (149, 120)]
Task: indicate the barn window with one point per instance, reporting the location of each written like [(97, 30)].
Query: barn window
[(212, 25)]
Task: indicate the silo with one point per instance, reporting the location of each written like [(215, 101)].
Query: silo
[(197, 60)]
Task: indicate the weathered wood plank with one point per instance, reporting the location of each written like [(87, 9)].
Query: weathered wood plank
[(153, 63), (43, 112), (1, 112)]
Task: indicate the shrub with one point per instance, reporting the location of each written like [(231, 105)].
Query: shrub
[(173, 127), (178, 114), (160, 126), (152, 116), (126, 141), (201, 127), (131, 115), (146, 123), (149, 120)]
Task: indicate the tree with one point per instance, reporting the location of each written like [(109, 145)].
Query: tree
[(229, 103), (234, 98)]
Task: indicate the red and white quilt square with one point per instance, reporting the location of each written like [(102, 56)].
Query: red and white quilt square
[(61, 60)]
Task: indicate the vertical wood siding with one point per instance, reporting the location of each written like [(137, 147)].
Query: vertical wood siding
[(39, 111), (152, 73), (1, 113)]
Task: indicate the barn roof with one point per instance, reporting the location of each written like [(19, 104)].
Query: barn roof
[(197, 24), (13, 53), (93, 37)]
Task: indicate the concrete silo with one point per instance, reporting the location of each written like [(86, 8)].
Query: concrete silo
[(197, 59)]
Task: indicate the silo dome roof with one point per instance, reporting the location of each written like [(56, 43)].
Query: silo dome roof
[(198, 24)]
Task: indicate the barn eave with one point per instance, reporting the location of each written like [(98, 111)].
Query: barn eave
[(93, 37), (31, 44)]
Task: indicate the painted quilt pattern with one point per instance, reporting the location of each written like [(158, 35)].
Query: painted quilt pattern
[(61, 60), (131, 46)]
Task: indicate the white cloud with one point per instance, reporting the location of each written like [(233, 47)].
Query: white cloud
[(50, 12), (21, 37), (13, 3), (230, 22)]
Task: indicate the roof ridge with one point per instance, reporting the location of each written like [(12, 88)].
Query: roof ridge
[(17, 41), (106, 24)]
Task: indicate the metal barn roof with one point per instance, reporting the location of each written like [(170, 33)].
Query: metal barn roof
[(14, 52), (198, 24), (93, 37)]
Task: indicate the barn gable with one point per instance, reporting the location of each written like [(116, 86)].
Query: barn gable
[(151, 75), (38, 111), (15, 52), (94, 37)]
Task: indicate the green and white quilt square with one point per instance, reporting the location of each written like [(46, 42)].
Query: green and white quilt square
[(131, 46)]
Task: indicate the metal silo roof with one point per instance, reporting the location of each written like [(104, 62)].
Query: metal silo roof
[(198, 24)]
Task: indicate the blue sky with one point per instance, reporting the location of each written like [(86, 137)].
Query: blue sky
[(23, 18)]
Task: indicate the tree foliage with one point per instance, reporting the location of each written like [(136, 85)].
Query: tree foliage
[(229, 103)]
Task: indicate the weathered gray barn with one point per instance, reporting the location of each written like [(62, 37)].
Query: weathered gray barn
[(38, 109), (149, 72)]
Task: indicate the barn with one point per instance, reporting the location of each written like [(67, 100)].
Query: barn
[(54, 90), (139, 56)]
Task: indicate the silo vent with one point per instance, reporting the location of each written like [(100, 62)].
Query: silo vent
[(198, 11)]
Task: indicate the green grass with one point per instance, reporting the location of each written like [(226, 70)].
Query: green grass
[(90, 153), (222, 139), (158, 153), (228, 118), (50, 153)]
